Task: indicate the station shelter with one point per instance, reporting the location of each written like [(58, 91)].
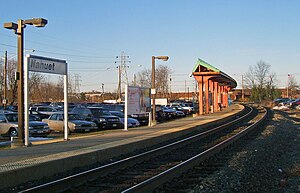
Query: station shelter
[(214, 86)]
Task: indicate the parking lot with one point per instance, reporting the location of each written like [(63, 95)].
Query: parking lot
[(47, 119)]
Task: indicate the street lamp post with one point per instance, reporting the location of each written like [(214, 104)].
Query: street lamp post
[(19, 31), (287, 87), (153, 91), (5, 81)]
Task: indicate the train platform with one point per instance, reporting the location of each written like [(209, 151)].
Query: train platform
[(47, 158)]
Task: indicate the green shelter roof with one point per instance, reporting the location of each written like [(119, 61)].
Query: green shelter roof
[(206, 65), (223, 76)]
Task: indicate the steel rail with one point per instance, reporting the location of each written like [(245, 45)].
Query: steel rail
[(150, 184), (78, 179)]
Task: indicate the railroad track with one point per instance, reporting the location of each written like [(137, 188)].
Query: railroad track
[(145, 172)]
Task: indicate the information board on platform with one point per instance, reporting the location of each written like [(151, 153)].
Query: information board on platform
[(138, 100)]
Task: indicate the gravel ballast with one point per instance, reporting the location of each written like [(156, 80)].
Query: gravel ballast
[(268, 162)]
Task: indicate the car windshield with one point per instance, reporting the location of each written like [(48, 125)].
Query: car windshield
[(74, 117), (12, 117)]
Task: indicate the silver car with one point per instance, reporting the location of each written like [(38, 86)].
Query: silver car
[(9, 126), (75, 124)]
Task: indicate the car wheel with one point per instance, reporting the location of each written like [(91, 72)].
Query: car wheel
[(13, 132)]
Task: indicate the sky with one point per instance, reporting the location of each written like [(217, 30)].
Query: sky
[(231, 35)]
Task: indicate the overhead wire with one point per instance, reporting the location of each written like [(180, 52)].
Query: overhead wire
[(72, 55), (62, 39)]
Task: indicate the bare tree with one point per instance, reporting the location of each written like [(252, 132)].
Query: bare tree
[(162, 75), (261, 73), (292, 85), (271, 91), (11, 81), (261, 81), (250, 78), (143, 78), (34, 84)]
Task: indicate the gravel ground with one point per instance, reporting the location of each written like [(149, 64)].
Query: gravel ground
[(269, 162)]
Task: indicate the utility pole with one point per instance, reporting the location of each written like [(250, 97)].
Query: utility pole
[(122, 73), (184, 89), (170, 87), (287, 88), (243, 92), (5, 81), (102, 86)]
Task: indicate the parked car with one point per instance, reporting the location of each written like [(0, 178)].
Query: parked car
[(168, 113), (179, 108), (110, 107), (42, 111), (280, 100), (75, 123), (188, 106), (85, 113), (294, 103), (179, 113), (9, 126), (98, 115), (57, 105), (131, 122), (142, 117), (12, 108), (164, 113), (285, 102), (112, 121)]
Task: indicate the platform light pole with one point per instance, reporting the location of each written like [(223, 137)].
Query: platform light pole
[(287, 87), (153, 90), (19, 31), (5, 81)]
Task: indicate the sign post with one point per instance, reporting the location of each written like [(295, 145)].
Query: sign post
[(45, 65), (126, 109)]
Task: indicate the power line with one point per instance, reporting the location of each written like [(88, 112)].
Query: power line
[(57, 53), (63, 39), (180, 74), (92, 62), (8, 45)]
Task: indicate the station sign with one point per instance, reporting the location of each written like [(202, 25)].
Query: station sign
[(47, 65)]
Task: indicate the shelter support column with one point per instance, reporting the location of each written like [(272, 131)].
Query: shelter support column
[(216, 106), (223, 96), (226, 96), (206, 83), (211, 96), (219, 97), (200, 86)]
